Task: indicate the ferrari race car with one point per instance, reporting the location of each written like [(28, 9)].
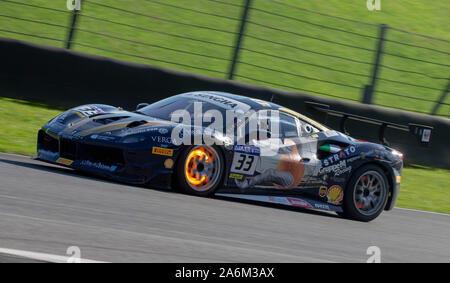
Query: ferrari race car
[(213, 143)]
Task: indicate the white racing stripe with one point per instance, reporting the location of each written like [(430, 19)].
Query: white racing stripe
[(46, 257)]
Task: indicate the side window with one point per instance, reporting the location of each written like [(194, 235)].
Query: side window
[(288, 126)]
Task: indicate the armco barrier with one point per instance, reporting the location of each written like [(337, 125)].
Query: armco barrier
[(66, 78)]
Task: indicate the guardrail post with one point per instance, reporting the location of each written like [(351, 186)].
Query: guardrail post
[(441, 99), (239, 38), (369, 89), (76, 9)]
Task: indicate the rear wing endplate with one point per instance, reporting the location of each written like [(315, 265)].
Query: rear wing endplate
[(320, 113)]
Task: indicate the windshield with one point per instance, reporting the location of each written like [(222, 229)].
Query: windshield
[(165, 109)]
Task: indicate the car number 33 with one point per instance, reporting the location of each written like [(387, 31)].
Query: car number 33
[(244, 163)]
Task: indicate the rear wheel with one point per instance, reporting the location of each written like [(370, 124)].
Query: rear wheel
[(200, 170), (366, 194)]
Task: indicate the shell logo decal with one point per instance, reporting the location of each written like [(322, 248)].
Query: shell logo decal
[(335, 195)]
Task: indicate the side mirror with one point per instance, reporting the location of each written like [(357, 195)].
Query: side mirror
[(141, 105)]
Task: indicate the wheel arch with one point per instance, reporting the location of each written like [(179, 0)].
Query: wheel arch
[(390, 176)]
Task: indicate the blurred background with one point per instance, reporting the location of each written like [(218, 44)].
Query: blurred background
[(397, 56)]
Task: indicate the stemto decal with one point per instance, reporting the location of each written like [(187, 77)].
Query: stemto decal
[(162, 151), (335, 194), (298, 202), (64, 161), (98, 165), (338, 156), (168, 163)]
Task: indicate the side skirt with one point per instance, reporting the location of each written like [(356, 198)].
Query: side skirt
[(284, 200)]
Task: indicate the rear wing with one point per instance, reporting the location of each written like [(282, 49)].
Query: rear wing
[(320, 113)]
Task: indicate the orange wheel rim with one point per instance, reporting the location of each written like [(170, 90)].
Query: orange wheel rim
[(202, 168)]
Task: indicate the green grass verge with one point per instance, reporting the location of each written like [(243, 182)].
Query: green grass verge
[(422, 188), (417, 16)]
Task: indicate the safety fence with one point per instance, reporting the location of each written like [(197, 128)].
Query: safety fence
[(269, 43)]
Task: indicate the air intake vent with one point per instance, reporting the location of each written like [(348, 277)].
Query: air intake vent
[(110, 120), (136, 124)]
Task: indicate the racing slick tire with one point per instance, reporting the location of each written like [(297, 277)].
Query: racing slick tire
[(366, 194), (200, 170)]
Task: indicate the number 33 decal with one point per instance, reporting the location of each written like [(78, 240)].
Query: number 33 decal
[(244, 164)]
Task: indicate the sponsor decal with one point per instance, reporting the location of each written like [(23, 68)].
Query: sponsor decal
[(163, 131), (168, 163), (342, 171), (89, 110), (98, 165), (398, 179), (162, 151), (338, 156), (236, 176), (298, 202), (323, 191), (160, 139), (221, 101), (248, 149), (322, 206), (315, 136), (333, 168), (335, 194), (64, 161), (426, 135)]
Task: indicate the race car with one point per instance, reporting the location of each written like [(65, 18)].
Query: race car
[(209, 143)]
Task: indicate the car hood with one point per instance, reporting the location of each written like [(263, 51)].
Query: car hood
[(97, 119)]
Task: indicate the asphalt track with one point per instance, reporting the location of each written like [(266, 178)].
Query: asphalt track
[(46, 209)]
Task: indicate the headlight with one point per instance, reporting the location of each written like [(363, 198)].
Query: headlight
[(397, 153)]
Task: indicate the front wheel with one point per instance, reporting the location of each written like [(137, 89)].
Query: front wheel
[(366, 194), (200, 170)]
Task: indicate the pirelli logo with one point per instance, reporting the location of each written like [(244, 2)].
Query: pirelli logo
[(162, 151), (64, 161), (236, 176)]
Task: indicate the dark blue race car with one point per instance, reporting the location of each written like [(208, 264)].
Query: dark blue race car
[(168, 145)]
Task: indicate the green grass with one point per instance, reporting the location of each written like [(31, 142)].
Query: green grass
[(20, 122), (422, 188), (425, 189), (416, 16)]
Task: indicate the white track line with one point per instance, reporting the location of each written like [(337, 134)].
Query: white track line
[(45, 257), (423, 211)]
